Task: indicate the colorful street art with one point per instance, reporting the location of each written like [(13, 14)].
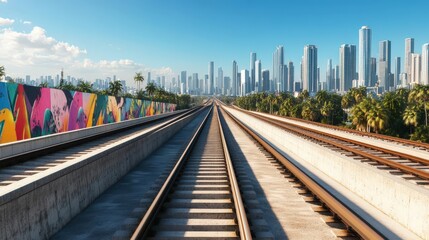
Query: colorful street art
[(28, 112)]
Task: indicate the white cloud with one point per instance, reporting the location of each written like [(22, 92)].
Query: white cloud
[(3, 1), (36, 48), (37, 54), (26, 22), (6, 21)]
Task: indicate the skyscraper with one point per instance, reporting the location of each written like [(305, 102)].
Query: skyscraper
[(193, 89), (252, 71), (373, 77), (265, 80), (384, 59), (365, 55), (329, 75), (409, 49), (183, 82), (278, 58), (258, 76), (234, 79), (244, 82), (309, 69), (397, 72), (337, 77), (211, 78), (290, 77), (415, 69), (283, 79), (219, 86), (425, 64)]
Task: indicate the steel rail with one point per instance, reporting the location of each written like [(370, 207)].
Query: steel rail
[(26, 156), (148, 219), (314, 135), (238, 202), (349, 218)]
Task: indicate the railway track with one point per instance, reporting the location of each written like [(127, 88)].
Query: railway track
[(201, 197), (407, 166), (18, 167), (405, 142), (355, 225)]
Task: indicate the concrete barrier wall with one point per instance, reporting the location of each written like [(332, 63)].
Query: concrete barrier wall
[(28, 145), (29, 112), (52, 201), (402, 201)]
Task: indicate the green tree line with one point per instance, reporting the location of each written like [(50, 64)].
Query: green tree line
[(402, 113), (151, 92)]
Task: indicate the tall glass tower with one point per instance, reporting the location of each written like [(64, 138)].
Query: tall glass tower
[(309, 69), (347, 66), (278, 61), (409, 49), (365, 55), (252, 71), (211, 78), (425, 64)]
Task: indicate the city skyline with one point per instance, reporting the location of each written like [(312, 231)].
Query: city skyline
[(81, 54)]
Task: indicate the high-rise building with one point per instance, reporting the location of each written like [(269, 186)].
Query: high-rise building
[(226, 86), (409, 49), (373, 69), (336, 78), (235, 81), (183, 83), (194, 86), (329, 76), (384, 60), (219, 86), (148, 77), (290, 77), (415, 69), (309, 69), (278, 63), (265, 80), (425, 64), (258, 76), (397, 72), (211, 78), (252, 71), (365, 55), (245, 82), (283, 79), (206, 84)]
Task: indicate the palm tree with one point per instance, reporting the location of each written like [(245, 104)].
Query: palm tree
[(327, 110), (376, 116), (2, 73), (420, 95), (304, 95), (115, 87), (359, 114), (84, 87), (410, 116), (138, 78), (43, 84), (150, 89)]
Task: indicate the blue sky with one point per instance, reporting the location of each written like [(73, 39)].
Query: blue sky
[(169, 36)]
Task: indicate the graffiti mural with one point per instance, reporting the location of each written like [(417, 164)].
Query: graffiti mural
[(28, 112)]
